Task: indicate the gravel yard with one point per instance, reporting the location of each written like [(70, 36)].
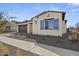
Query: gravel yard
[(63, 42), (23, 36)]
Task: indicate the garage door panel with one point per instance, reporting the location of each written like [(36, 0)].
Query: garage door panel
[(8, 28), (22, 28)]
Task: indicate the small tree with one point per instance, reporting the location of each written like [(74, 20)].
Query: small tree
[(3, 20)]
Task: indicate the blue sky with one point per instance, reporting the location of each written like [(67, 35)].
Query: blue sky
[(26, 11)]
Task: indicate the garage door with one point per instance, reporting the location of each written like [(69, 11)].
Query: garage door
[(8, 29), (23, 28)]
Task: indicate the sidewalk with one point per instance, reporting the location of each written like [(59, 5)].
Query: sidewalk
[(28, 46), (60, 51)]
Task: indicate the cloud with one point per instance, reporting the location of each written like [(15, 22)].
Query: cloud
[(75, 10), (40, 7), (54, 8), (72, 8)]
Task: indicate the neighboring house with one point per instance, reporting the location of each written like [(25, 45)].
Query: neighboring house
[(8, 27), (51, 23), (11, 27)]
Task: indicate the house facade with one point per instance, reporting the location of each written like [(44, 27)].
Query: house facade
[(51, 23)]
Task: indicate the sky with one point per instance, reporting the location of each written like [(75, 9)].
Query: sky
[(25, 11)]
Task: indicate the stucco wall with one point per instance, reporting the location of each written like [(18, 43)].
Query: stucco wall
[(36, 27), (64, 27), (14, 27), (29, 27)]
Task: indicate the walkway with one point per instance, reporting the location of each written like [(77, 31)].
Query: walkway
[(60, 51)]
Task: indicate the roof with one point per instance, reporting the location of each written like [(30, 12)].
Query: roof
[(24, 23), (47, 12), (21, 23)]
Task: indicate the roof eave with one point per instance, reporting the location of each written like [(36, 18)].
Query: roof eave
[(48, 11)]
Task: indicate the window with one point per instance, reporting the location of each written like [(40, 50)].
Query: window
[(49, 24), (42, 25), (56, 24), (46, 24)]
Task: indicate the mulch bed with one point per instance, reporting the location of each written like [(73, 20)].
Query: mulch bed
[(63, 42), (12, 51)]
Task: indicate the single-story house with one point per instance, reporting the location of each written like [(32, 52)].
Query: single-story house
[(11, 27), (51, 23)]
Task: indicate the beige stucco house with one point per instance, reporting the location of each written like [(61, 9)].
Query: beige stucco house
[(51, 23)]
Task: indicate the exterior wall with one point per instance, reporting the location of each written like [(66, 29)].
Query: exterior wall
[(17, 29), (29, 28), (14, 27), (64, 27), (36, 24), (8, 29)]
